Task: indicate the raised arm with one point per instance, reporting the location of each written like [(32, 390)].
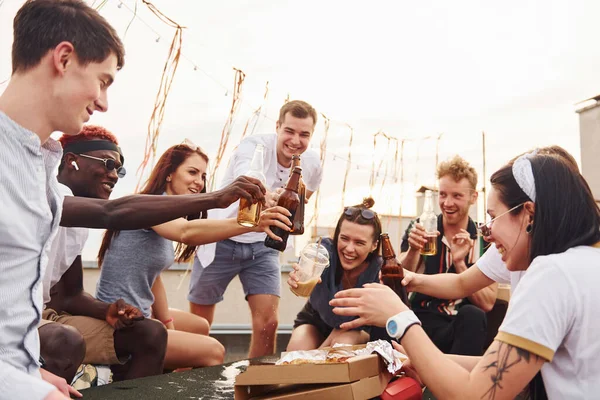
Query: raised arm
[(448, 286), (460, 246), (203, 231), (144, 211)]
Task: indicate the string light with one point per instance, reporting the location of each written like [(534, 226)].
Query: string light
[(375, 174)]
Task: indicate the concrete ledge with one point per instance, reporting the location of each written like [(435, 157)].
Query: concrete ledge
[(245, 329)]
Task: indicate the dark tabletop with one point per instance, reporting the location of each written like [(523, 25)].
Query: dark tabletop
[(210, 383), (199, 384)]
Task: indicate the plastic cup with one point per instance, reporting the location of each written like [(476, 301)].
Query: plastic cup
[(313, 260)]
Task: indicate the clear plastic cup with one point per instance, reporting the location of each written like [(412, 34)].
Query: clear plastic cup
[(313, 260)]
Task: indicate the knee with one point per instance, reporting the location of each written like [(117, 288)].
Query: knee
[(216, 355), (199, 326), (61, 344), (148, 337), (266, 324)]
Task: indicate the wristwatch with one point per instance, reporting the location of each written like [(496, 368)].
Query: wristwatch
[(397, 325)]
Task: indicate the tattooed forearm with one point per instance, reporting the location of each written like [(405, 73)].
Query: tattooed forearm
[(506, 357)]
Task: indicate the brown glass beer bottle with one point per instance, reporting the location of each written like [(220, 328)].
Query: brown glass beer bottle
[(298, 223), (392, 272), (289, 199)]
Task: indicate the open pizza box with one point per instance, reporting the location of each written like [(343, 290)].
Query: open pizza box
[(359, 378)]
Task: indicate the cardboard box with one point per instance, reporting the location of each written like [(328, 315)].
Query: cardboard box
[(363, 389), (352, 370), (359, 378)]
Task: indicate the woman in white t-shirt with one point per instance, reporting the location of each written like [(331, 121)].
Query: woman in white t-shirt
[(488, 269), (545, 221)]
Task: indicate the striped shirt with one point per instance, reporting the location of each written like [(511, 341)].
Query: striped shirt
[(30, 213)]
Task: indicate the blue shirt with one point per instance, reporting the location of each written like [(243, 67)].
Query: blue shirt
[(30, 213), (326, 290)]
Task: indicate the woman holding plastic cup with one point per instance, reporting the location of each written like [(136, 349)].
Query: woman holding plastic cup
[(354, 260)]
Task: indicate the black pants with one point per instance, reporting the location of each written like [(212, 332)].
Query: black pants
[(462, 334)]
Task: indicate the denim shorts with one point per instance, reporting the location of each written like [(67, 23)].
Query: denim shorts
[(258, 267)]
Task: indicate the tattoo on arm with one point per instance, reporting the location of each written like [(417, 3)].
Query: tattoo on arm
[(501, 365)]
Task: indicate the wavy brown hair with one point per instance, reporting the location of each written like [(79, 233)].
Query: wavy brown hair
[(157, 184)]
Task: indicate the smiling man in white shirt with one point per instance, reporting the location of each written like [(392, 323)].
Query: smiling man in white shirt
[(246, 255)]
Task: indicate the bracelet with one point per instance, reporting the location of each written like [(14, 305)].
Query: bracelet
[(166, 321)]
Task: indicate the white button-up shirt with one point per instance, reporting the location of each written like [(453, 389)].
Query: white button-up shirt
[(66, 246), (276, 175), (30, 212)]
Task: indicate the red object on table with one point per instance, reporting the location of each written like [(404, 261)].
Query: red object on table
[(404, 388)]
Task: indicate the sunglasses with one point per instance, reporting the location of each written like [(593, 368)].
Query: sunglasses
[(110, 164), (486, 228), (191, 145), (364, 212)]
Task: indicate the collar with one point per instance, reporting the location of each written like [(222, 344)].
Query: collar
[(471, 228)]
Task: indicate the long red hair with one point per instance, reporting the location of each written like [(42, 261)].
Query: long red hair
[(157, 185)]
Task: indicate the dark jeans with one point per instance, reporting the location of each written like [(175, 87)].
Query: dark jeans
[(462, 334)]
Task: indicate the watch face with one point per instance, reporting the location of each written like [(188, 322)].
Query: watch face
[(392, 328)]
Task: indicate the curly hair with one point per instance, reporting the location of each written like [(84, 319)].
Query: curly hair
[(89, 132), (458, 168)]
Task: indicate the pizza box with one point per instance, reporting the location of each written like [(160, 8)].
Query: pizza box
[(363, 389), (351, 370)]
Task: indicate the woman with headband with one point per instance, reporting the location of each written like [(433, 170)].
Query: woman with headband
[(544, 221)]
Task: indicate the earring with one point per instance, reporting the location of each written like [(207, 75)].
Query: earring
[(529, 228), (168, 179), (74, 164)]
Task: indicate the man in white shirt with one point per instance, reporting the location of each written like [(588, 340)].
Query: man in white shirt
[(61, 74), (258, 266), (54, 87)]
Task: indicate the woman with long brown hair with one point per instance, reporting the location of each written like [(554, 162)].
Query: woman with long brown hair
[(354, 260), (132, 261)]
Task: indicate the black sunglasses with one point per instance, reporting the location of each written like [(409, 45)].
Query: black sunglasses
[(364, 212), (110, 164)]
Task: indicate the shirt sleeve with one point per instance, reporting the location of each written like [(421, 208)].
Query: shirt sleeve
[(314, 180), (492, 266), (541, 312), (241, 158), (15, 383)]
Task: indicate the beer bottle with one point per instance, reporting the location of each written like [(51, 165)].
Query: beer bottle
[(249, 213), (298, 223), (289, 199), (429, 221), (392, 273)]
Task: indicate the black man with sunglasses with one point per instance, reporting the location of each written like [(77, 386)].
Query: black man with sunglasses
[(104, 333)]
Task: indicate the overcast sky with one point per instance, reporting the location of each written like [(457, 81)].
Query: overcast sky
[(514, 69)]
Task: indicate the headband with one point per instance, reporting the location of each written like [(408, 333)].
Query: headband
[(523, 173), (93, 145)]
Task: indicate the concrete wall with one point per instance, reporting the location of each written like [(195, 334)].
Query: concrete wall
[(589, 131), (233, 310)]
